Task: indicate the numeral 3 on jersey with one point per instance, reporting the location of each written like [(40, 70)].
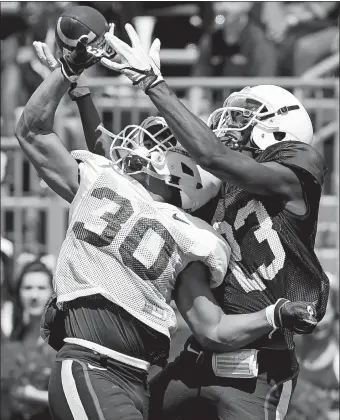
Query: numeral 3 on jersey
[(264, 234)]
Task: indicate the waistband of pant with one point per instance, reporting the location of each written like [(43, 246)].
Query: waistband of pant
[(267, 359), (112, 354)]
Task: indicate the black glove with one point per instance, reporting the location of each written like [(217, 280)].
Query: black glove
[(81, 58), (299, 317)]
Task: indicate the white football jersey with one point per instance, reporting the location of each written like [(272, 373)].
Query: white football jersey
[(122, 244)]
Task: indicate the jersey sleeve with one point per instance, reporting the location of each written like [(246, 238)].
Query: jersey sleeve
[(91, 165), (91, 159), (300, 157), (207, 246)]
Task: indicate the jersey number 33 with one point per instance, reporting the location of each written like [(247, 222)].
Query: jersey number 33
[(261, 232)]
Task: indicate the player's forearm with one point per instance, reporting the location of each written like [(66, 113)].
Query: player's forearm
[(90, 120), (213, 328), (236, 331), (39, 112), (193, 134)]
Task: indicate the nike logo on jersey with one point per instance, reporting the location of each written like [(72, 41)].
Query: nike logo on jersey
[(189, 348), (179, 219)]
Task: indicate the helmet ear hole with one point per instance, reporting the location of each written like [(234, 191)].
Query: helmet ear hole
[(279, 135), (186, 169)]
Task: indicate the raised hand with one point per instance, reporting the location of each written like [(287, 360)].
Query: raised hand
[(45, 55), (107, 50), (81, 58), (77, 90), (141, 68)]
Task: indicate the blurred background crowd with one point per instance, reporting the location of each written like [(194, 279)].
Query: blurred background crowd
[(209, 49)]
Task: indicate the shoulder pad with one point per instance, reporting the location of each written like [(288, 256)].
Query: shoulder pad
[(296, 155)]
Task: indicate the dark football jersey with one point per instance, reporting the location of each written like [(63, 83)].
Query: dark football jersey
[(273, 249)]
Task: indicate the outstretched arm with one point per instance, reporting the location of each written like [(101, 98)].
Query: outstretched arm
[(194, 135), (96, 141), (35, 128), (218, 331), (41, 144), (210, 153)]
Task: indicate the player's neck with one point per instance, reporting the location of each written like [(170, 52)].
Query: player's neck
[(158, 190)]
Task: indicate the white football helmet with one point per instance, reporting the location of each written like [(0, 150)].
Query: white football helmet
[(151, 148), (265, 114)]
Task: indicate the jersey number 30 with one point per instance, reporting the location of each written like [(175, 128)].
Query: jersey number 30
[(114, 222)]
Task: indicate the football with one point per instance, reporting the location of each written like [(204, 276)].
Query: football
[(78, 21)]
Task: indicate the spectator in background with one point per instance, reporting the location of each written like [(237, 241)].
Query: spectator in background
[(266, 39), (26, 358), (287, 38), (33, 289), (317, 392), (303, 31), (223, 22)]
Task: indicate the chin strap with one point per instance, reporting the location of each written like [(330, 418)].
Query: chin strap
[(283, 110), (229, 142)]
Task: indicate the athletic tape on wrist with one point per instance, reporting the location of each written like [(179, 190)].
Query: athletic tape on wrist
[(270, 315), (73, 78)]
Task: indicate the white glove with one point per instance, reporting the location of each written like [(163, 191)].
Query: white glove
[(141, 68), (45, 55), (77, 90)]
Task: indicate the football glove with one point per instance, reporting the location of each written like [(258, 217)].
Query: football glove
[(81, 58), (77, 89), (141, 68), (45, 55), (299, 317)]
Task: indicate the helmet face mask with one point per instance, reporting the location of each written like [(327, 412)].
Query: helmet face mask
[(141, 148), (264, 115)]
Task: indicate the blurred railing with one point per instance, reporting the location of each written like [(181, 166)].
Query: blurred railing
[(36, 219)]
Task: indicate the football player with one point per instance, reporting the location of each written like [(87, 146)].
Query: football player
[(259, 145), (124, 248)]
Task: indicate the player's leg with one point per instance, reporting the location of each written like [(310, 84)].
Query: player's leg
[(85, 389), (169, 397), (260, 399), (175, 392)]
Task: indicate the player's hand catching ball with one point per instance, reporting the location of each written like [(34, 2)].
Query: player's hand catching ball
[(81, 58), (141, 68), (299, 317), (78, 89)]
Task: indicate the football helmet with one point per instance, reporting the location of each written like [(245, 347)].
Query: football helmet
[(265, 115), (151, 148)]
